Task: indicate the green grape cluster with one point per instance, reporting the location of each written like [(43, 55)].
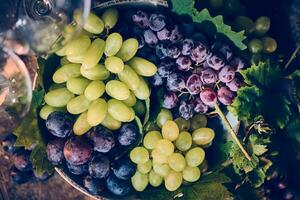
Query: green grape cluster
[(100, 78), (172, 155)]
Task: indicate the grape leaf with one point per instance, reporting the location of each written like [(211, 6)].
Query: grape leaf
[(258, 144), (39, 160), (186, 7)]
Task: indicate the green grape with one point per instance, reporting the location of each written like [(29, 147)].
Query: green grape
[(61, 52), (270, 45), (255, 46), (65, 72), (97, 112), (145, 168), (195, 156), (142, 92), (244, 23), (113, 44), (198, 121), (117, 90), (163, 116), (170, 130), (191, 174), (110, 17), (129, 77), (173, 180), (77, 85), (183, 125), (139, 155), (64, 61), (93, 24), (203, 136), (176, 162), (184, 141), (75, 58), (94, 53), (132, 115), (98, 72), (131, 100), (78, 45), (151, 138), (161, 169), (262, 25), (114, 64), (119, 111), (111, 123), (142, 66), (94, 90), (128, 49), (139, 108), (139, 181), (158, 157), (81, 125), (216, 4), (164, 146), (78, 105), (154, 179), (46, 110), (57, 86), (58, 97)]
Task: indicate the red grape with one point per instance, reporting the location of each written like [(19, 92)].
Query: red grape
[(55, 151), (237, 64), (225, 96), (183, 63), (186, 110), (150, 38), (140, 18), (170, 100), (235, 84), (208, 97), (163, 34), (187, 45), (199, 106), (193, 84), (199, 53), (157, 22), (208, 76), (226, 74), (215, 61), (77, 151)]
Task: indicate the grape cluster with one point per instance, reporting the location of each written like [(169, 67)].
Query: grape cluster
[(195, 73), (172, 154), (97, 157)]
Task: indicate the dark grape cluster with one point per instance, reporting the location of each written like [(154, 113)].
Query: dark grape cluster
[(99, 157), (208, 72)]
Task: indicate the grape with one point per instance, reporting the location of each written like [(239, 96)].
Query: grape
[(117, 186), (140, 108), (158, 157), (113, 44), (161, 169), (150, 38), (193, 84), (165, 68), (187, 29), (176, 162), (129, 77), (224, 49), (187, 46), (145, 168), (78, 105), (154, 179), (143, 91), (64, 61), (199, 52), (165, 147), (117, 90), (203, 136), (55, 151), (199, 106), (141, 41), (118, 110), (216, 4), (186, 110), (19, 177), (128, 49), (215, 61), (161, 51), (151, 138), (78, 169), (131, 100), (81, 125), (99, 167), (184, 141), (156, 80), (198, 121), (173, 51), (195, 156), (170, 100), (173, 180), (157, 22), (191, 174), (77, 151), (59, 124), (78, 45), (139, 155), (175, 83), (175, 34), (114, 64), (255, 46), (22, 161), (46, 110), (111, 123), (225, 96), (235, 84), (76, 58), (77, 85), (94, 90), (140, 18), (58, 97), (93, 24), (98, 72), (103, 139), (93, 185), (237, 63), (170, 130), (163, 116), (139, 181), (123, 168), (208, 76), (110, 17), (262, 25), (269, 44), (244, 23), (94, 53), (65, 72), (208, 97), (183, 125), (8, 144), (142, 66), (164, 34), (128, 134), (184, 63)]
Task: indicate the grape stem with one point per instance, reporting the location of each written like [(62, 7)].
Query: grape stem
[(231, 131), (293, 57)]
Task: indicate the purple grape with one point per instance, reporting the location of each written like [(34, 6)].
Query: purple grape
[(235, 84), (141, 41), (225, 96), (128, 134), (237, 63), (78, 169), (22, 161), (77, 151), (193, 84), (199, 53), (102, 138), (173, 51), (199, 106), (165, 68), (175, 34), (226, 74), (59, 124), (123, 168), (187, 45), (157, 22), (150, 38), (215, 61), (184, 63), (8, 144), (163, 34), (186, 110), (224, 49), (208, 76), (208, 97), (170, 100), (93, 185), (156, 80), (175, 83), (99, 167), (140, 18), (117, 186), (55, 151), (161, 51)]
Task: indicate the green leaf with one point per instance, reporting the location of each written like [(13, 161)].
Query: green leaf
[(258, 144), (295, 74), (40, 161), (186, 7)]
